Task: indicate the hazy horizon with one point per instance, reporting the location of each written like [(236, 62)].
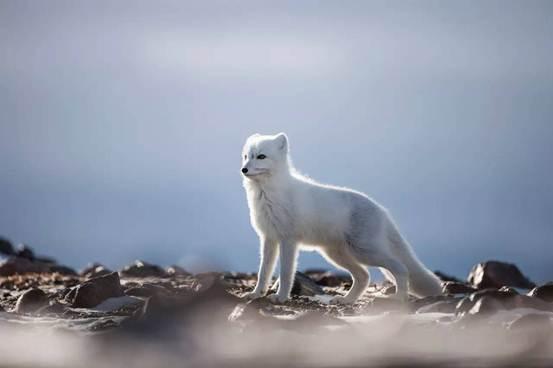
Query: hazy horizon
[(123, 123)]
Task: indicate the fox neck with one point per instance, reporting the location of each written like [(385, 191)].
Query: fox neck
[(279, 179)]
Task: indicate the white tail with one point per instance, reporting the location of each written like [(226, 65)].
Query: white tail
[(422, 281)]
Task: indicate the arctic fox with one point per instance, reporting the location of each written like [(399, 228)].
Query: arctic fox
[(289, 212)]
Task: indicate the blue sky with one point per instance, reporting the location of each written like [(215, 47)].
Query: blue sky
[(123, 122)]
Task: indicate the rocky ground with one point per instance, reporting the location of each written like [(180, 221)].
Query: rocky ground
[(146, 315)]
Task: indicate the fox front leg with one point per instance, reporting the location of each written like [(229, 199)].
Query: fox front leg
[(269, 252), (288, 255)]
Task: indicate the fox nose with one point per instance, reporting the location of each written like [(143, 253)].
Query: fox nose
[(244, 170)]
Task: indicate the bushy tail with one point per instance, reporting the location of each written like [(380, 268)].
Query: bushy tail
[(422, 281)]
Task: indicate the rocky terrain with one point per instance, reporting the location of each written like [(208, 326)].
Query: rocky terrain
[(147, 315)]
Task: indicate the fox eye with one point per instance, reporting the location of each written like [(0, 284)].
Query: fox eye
[(245, 157), (261, 157)]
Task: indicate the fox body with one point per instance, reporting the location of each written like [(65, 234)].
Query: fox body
[(290, 212)]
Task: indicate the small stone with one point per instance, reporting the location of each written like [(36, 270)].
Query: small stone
[(24, 251), (31, 301), (94, 291), (495, 274), (95, 270), (143, 269), (175, 270), (543, 292), (6, 247)]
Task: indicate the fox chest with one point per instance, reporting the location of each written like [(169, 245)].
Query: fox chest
[(272, 216)]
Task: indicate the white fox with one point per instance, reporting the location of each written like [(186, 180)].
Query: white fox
[(290, 211)]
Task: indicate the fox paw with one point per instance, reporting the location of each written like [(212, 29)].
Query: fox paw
[(277, 299), (254, 295)]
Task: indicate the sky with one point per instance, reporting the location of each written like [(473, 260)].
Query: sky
[(122, 124)]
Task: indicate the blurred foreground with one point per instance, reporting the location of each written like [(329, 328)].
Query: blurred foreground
[(145, 316)]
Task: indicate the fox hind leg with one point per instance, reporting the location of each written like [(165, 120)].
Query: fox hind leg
[(342, 258)]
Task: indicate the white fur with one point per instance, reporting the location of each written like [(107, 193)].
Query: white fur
[(289, 211)]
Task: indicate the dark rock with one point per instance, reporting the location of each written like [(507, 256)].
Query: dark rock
[(330, 279), (468, 302), (303, 285), (24, 251), (445, 277), (239, 276), (94, 291), (31, 301), (499, 300), (19, 265), (314, 271), (495, 274), (143, 269), (453, 287), (543, 292), (6, 247), (485, 306), (95, 270), (168, 316), (175, 270), (532, 322)]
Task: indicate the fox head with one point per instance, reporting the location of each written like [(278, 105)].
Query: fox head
[(264, 156)]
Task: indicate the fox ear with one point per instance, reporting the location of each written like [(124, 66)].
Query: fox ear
[(282, 140)]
